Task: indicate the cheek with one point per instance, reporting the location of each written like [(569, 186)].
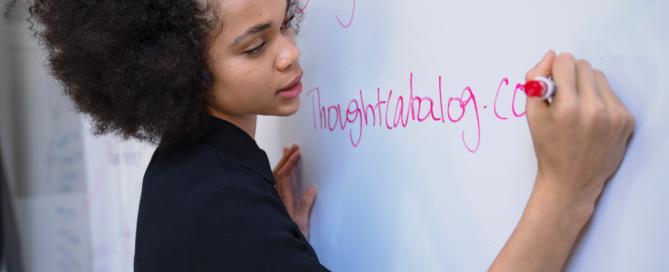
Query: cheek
[(246, 72), (241, 87), (249, 82)]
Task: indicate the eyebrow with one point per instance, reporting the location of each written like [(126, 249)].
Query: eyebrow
[(251, 31), (256, 29)]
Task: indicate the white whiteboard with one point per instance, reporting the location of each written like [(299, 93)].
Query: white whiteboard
[(427, 197), (404, 199)]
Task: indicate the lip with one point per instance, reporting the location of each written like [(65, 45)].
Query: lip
[(293, 89)]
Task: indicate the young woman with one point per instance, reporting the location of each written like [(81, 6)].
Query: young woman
[(193, 75)]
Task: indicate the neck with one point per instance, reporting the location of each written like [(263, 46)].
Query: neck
[(246, 122)]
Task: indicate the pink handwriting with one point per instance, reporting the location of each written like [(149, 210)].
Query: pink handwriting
[(514, 111), (350, 19), (303, 5), (390, 111)]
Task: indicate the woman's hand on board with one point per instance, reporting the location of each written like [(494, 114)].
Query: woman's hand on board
[(579, 140), (285, 185)]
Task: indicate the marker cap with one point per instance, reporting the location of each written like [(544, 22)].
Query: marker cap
[(540, 87)]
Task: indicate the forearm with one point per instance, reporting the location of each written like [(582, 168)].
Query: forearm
[(546, 233)]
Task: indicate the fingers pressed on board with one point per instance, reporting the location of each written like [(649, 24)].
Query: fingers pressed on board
[(290, 157)]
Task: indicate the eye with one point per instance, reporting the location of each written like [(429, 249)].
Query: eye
[(256, 50)]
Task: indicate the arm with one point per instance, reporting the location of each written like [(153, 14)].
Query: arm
[(579, 140), (545, 235)]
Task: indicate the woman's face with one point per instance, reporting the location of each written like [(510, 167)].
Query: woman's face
[(254, 60)]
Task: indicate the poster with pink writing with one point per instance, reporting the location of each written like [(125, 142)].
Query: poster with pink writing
[(412, 124)]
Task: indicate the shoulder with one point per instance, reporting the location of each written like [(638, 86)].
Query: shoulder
[(201, 212), (195, 167), (186, 179), (181, 183)]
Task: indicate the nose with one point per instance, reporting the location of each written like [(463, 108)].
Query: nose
[(288, 56)]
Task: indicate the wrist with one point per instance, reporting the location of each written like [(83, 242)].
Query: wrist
[(569, 209), (547, 231), (581, 190)]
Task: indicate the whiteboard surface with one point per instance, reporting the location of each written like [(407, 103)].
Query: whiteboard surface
[(435, 196), (424, 197)]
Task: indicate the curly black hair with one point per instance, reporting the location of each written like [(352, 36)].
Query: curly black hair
[(137, 67)]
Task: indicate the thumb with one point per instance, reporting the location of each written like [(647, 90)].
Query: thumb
[(303, 216), (308, 199)]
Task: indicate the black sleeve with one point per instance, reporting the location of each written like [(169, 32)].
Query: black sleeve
[(246, 228)]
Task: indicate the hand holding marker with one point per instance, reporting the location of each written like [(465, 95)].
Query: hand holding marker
[(580, 137)]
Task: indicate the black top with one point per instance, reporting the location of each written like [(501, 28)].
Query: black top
[(213, 206)]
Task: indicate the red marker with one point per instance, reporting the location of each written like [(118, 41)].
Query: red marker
[(540, 87)]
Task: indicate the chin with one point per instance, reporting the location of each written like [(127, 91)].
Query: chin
[(289, 109)]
